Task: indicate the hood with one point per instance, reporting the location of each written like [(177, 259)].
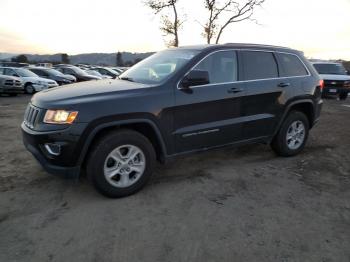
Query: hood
[(36, 79), (335, 77), (93, 77), (85, 92), (69, 77)]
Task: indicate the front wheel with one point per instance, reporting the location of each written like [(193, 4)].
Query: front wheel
[(121, 163), (29, 89), (292, 136)]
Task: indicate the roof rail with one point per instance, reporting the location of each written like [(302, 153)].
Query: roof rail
[(261, 45)]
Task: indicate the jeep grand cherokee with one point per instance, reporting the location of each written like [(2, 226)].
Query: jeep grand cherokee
[(177, 101)]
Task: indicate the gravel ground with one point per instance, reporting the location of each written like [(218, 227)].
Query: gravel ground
[(234, 204)]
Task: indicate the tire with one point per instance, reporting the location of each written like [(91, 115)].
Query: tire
[(102, 160), (283, 146), (29, 89), (343, 96)]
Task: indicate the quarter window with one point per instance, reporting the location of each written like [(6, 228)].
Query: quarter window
[(221, 66), (259, 65), (292, 66)]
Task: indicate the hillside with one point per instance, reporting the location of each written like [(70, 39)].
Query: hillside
[(90, 58)]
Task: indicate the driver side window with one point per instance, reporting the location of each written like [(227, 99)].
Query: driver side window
[(221, 66), (10, 72)]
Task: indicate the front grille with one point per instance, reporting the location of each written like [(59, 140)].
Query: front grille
[(8, 82), (31, 115), (333, 83)]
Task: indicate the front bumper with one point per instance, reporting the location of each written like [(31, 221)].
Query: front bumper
[(12, 90), (38, 87), (62, 165)]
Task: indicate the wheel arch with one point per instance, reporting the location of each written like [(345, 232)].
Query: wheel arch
[(144, 126), (305, 106)]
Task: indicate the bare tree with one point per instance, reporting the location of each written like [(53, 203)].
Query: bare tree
[(235, 11), (170, 25)]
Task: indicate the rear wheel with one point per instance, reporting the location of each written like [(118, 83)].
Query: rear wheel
[(121, 163), (292, 136)]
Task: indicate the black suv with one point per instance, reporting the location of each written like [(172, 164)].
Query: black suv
[(177, 101)]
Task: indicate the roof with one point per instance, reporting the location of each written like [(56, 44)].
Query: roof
[(239, 46)]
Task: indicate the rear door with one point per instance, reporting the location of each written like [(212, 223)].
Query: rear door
[(261, 104), (209, 115), (293, 73)]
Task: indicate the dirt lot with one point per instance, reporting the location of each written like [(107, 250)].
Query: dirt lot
[(235, 204)]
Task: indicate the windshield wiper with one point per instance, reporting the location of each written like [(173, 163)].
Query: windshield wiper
[(126, 78)]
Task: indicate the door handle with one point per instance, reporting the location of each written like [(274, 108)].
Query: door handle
[(234, 90), (283, 84)]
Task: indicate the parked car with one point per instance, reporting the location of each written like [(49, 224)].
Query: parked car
[(53, 74), (336, 79), (120, 69), (13, 64), (106, 71), (32, 82), (10, 85), (48, 65), (96, 73), (77, 72), (214, 95)]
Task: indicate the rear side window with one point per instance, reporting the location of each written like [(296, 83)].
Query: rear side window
[(259, 65), (291, 65), (221, 66)]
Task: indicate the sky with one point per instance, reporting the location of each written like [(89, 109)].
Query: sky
[(319, 28)]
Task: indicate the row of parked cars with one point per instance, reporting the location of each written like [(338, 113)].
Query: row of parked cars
[(31, 79)]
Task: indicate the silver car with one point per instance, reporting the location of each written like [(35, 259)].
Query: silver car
[(11, 85)]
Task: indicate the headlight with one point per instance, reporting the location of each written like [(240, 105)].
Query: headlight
[(347, 84), (60, 117)]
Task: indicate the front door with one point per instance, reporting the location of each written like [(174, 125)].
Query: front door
[(209, 115)]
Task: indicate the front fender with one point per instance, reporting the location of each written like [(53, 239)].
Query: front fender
[(95, 130)]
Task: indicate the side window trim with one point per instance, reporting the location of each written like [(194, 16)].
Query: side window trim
[(240, 70)]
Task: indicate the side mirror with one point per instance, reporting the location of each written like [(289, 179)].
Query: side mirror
[(195, 78)]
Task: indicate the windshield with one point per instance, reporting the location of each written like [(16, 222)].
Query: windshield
[(159, 66), (93, 72), (330, 69), (25, 73), (54, 72), (78, 71)]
